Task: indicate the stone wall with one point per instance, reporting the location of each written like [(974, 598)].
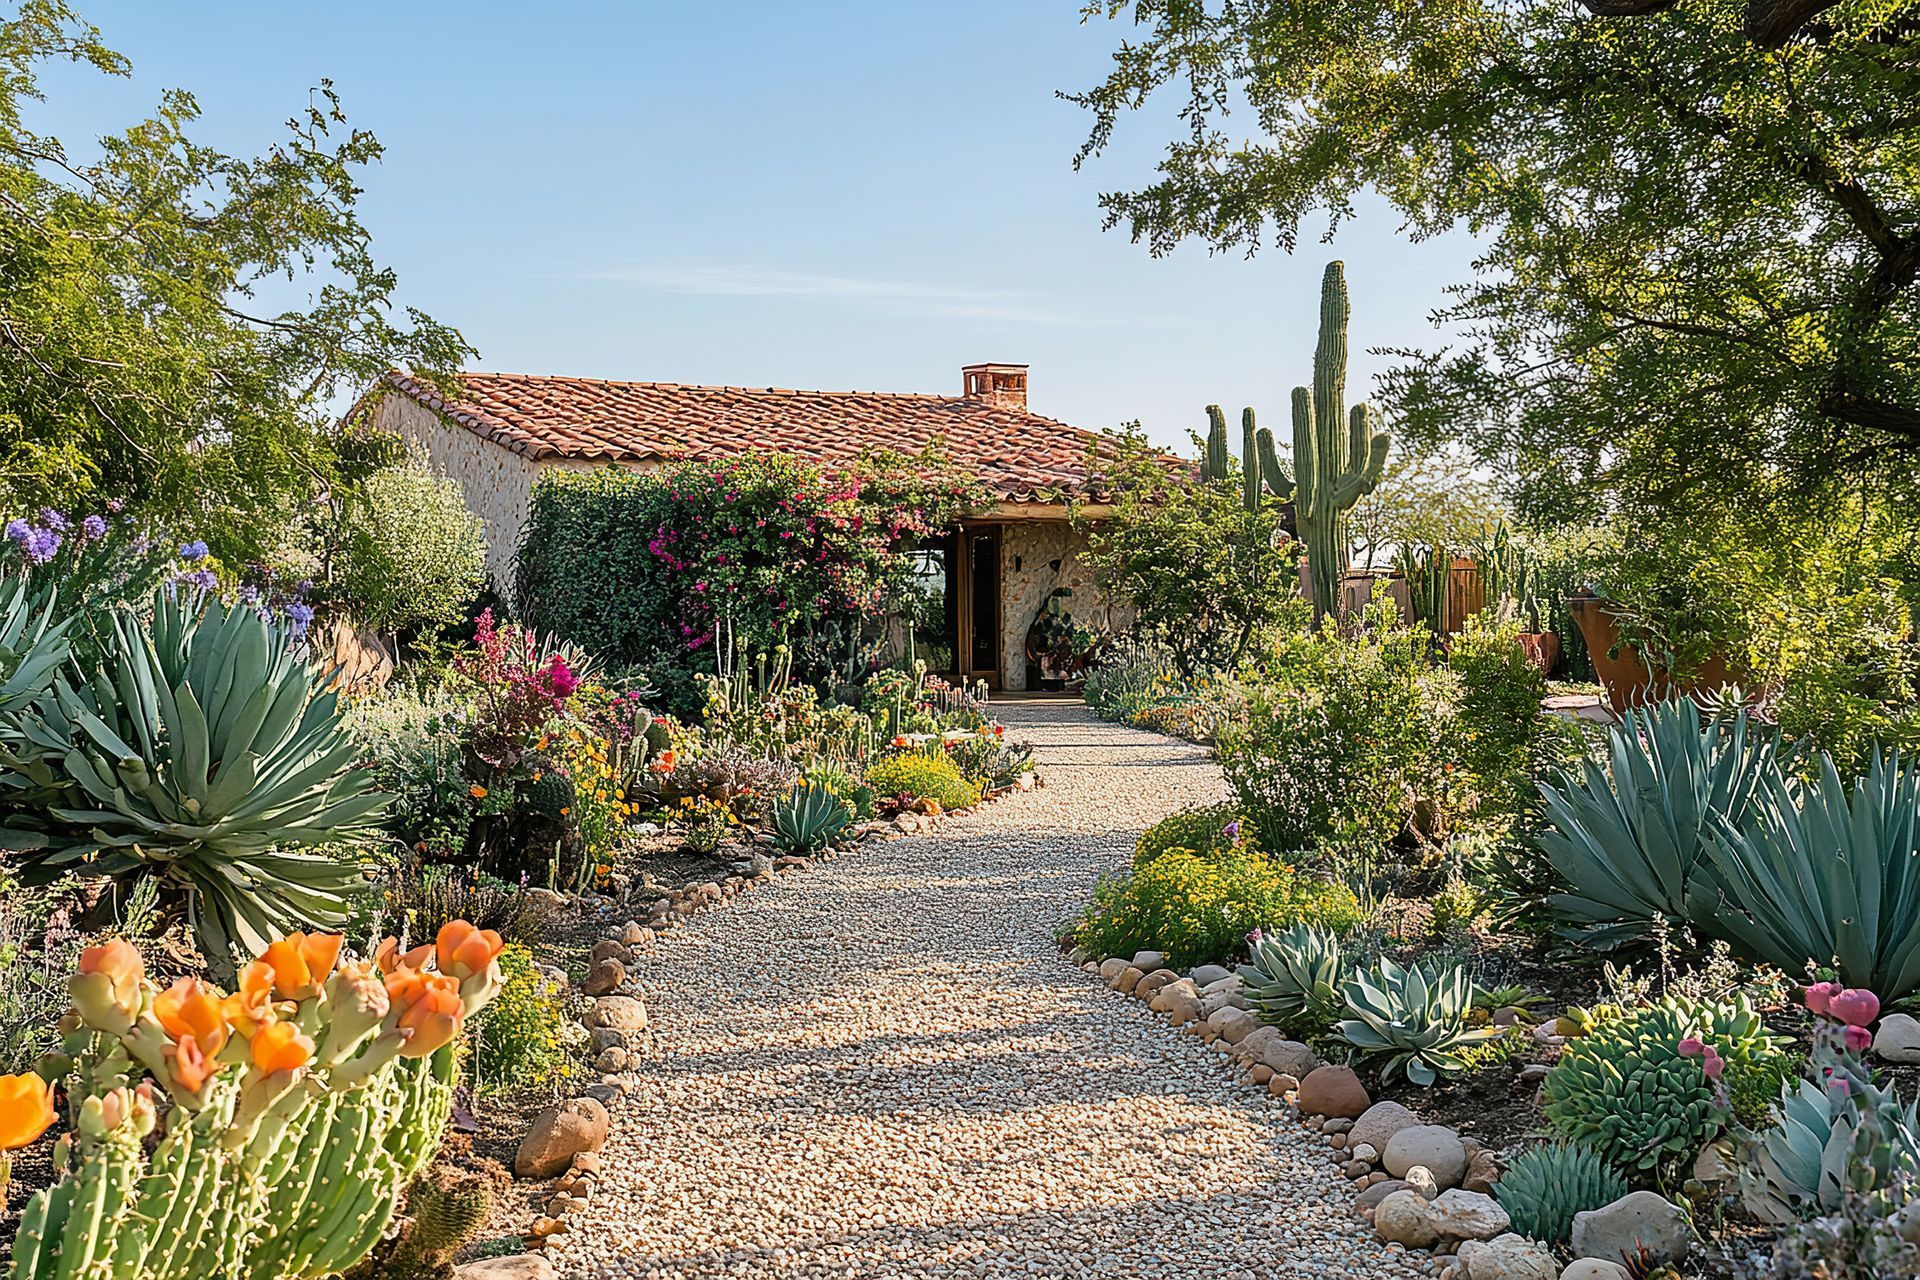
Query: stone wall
[(1035, 557)]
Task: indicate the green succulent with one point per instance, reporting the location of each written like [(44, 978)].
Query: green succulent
[(807, 818), (1626, 1090), (1545, 1186), (1630, 842), (1800, 1166), (1292, 978), (205, 752), (1414, 1018)]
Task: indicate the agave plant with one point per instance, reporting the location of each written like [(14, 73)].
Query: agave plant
[(1800, 1165), (1414, 1018), (1545, 1186), (1292, 979), (808, 817), (1828, 872), (207, 753), (1628, 842)]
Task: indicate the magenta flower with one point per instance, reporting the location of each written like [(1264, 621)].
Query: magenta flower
[(1713, 1064), (1817, 996), (1858, 1038), (1856, 1006), (1692, 1047)]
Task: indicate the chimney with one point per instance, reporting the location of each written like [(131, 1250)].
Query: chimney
[(1004, 386)]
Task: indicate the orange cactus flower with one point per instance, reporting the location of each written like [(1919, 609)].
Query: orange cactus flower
[(190, 1010), (279, 1046), (251, 1004), (462, 950), (389, 958), (302, 962), (191, 1067), (427, 1008), (26, 1110), (477, 791), (664, 762), (107, 990)]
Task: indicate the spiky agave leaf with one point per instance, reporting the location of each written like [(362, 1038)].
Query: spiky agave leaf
[(1413, 1017)]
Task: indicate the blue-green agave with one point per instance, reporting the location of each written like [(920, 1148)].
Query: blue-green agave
[(1411, 1020), (1292, 978), (808, 817), (1808, 1159)]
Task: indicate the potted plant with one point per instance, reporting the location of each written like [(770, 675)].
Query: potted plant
[(1638, 662)]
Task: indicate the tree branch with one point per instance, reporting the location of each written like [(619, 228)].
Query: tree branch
[(1771, 23), (1626, 8), (1844, 405)]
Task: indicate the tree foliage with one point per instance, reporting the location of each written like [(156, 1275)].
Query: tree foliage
[(1700, 219), (406, 551), (175, 322)]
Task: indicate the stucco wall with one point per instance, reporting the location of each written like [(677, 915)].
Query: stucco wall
[(1036, 556), (498, 482)]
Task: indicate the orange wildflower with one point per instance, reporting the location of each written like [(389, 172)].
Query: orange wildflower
[(251, 1004), (107, 989), (191, 1011), (462, 950), (26, 1110), (477, 791), (427, 1007), (191, 1067), (279, 1046), (388, 956), (302, 962)]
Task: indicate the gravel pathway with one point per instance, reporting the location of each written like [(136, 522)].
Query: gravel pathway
[(883, 1067)]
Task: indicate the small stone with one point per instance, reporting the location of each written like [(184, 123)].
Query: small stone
[(610, 949), (604, 1038), (618, 1013), (541, 1228), (587, 1162), (1711, 1165), (1129, 979), (559, 1134), (1364, 1151), (1507, 1257), (1483, 1170), (1281, 1084), (1898, 1039), (1378, 1191), (1260, 1073), (515, 1266), (1333, 1091), (605, 977), (1148, 961), (1356, 1169), (611, 1059), (1534, 1072), (1468, 1215), (1618, 1231), (1433, 1145), (1379, 1122), (1595, 1269), (1419, 1180), (635, 934), (1233, 1025), (1271, 1046), (561, 1206), (1208, 974)]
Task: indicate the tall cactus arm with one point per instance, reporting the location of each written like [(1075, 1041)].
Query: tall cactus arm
[(1367, 459), (1279, 483), (1306, 456), (1216, 465), (1250, 470), (1330, 366)]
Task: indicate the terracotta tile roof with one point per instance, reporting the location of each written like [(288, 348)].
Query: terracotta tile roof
[(1020, 456)]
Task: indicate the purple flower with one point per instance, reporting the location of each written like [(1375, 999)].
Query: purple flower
[(249, 595), (54, 520), (195, 550), (202, 579), (94, 527), (1232, 830), (116, 505), (17, 530), (40, 545), (300, 617)]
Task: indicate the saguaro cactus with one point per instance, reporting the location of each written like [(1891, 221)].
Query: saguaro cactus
[(1332, 470), (1260, 465)]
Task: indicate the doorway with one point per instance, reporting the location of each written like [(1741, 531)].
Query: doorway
[(981, 592)]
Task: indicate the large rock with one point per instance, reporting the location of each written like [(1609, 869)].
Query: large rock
[(1508, 1257), (1208, 974), (1483, 1171), (618, 1013), (605, 977), (558, 1135), (1618, 1231), (1151, 985), (1377, 1192), (1128, 979), (1595, 1269), (610, 949), (1468, 1215), (1402, 1218), (1269, 1045), (1111, 968), (1333, 1091), (1377, 1125), (515, 1266), (1223, 995), (1898, 1039), (1233, 1025), (1433, 1145), (1148, 961)]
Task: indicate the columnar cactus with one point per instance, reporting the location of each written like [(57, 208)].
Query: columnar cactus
[(296, 1109), (1332, 470), (1261, 471)]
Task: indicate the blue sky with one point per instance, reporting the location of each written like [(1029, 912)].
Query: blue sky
[(850, 195)]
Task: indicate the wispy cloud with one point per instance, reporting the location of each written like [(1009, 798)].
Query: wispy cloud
[(906, 296)]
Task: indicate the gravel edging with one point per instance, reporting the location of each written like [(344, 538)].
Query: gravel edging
[(884, 1068)]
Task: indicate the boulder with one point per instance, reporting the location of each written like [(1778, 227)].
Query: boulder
[(1280, 1084), (1507, 1257), (1148, 961), (1595, 1269), (1271, 1046), (1483, 1170), (605, 1038), (1182, 1009), (635, 934), (1379, 1122), (618, 1013), (1332, 1091), (605, 977), (1208, 974), (1467, 1215), (610, 949), (1234, 1025), (1153, 982), (1111, 968), (558, 1135), (1898, 1039), (612, 1058), (1402, 1218), (1223, 996), (1618, 1231), (1379, 1191), (1433, 1145), (1163, 998), (1129, 979), (515, 1266)]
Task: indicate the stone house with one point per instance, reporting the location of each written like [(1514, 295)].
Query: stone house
[(983, 582)]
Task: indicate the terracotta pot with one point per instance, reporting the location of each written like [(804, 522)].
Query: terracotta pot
[(1629, 679), (1542, 649)]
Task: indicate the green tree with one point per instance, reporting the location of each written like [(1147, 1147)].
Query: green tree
[(143, 354), (1699, 219), (1206, 575), (1435, 498)]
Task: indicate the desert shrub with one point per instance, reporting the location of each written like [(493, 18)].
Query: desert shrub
[(1341, 738), (1497, 722), (38, 948), (1200, 909), (918, 776), (1628, 1090), (1203, 830), (518, 1039), (1133, 675), (406, 551), (1194, 721)]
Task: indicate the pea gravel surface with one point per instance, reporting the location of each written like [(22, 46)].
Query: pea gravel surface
[(884, 1067)]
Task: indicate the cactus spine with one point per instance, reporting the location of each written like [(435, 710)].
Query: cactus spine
[(1261, 471), (1332, 470)]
